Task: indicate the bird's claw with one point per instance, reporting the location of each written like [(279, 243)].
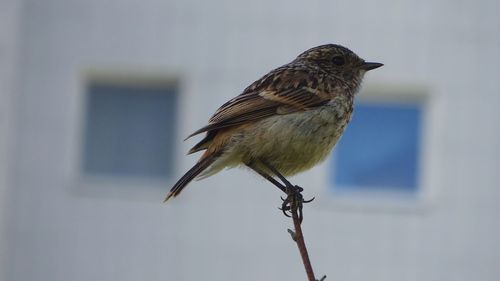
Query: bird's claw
[(310, 200), (294, 201), (284, 211), (322, 278)]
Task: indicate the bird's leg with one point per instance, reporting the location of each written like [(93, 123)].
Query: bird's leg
[(276, 183), (273, 181), (268, 177), (294, 199)]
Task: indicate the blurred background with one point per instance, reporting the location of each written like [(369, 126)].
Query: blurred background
[(96, 97)]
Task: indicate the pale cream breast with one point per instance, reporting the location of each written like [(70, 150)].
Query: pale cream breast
[(295, 142)]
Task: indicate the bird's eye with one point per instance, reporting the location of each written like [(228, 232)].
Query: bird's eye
[(338, 60)]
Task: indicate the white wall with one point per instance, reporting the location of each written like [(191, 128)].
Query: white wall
[(9, 31), (227, 227)]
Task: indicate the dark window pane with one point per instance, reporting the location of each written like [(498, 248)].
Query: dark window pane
[(130, 130), (380, 149)]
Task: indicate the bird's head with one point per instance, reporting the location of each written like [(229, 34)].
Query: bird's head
[(338, 61)]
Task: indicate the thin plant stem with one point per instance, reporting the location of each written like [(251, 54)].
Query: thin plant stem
[(299, 239)]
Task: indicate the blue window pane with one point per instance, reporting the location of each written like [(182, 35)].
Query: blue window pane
[(130, 131), (380, 149)]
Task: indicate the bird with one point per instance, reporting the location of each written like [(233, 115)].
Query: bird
[(284, 123)]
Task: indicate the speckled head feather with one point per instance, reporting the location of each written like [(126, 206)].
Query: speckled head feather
[(334, 59), (326, 51)]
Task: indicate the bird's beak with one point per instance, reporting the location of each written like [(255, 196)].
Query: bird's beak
[(370, 65)]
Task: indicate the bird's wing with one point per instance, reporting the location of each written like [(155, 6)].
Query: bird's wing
[(282, 91)]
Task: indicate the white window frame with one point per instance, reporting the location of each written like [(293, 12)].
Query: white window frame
[(116, 186)]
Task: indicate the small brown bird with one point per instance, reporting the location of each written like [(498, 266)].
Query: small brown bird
[(284, 123)]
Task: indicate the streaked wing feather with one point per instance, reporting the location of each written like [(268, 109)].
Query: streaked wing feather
[(282, 91), (237, 119)]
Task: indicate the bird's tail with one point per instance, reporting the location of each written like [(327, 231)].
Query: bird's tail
[(202, 164)]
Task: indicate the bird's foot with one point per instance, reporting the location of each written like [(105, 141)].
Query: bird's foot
[(294, 201)]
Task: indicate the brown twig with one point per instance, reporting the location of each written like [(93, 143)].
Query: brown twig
[(298, 237)]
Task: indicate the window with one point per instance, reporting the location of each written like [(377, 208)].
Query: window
[(380, 149), (130, 130)]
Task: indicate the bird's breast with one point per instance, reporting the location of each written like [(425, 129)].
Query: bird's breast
[(296, 142)]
